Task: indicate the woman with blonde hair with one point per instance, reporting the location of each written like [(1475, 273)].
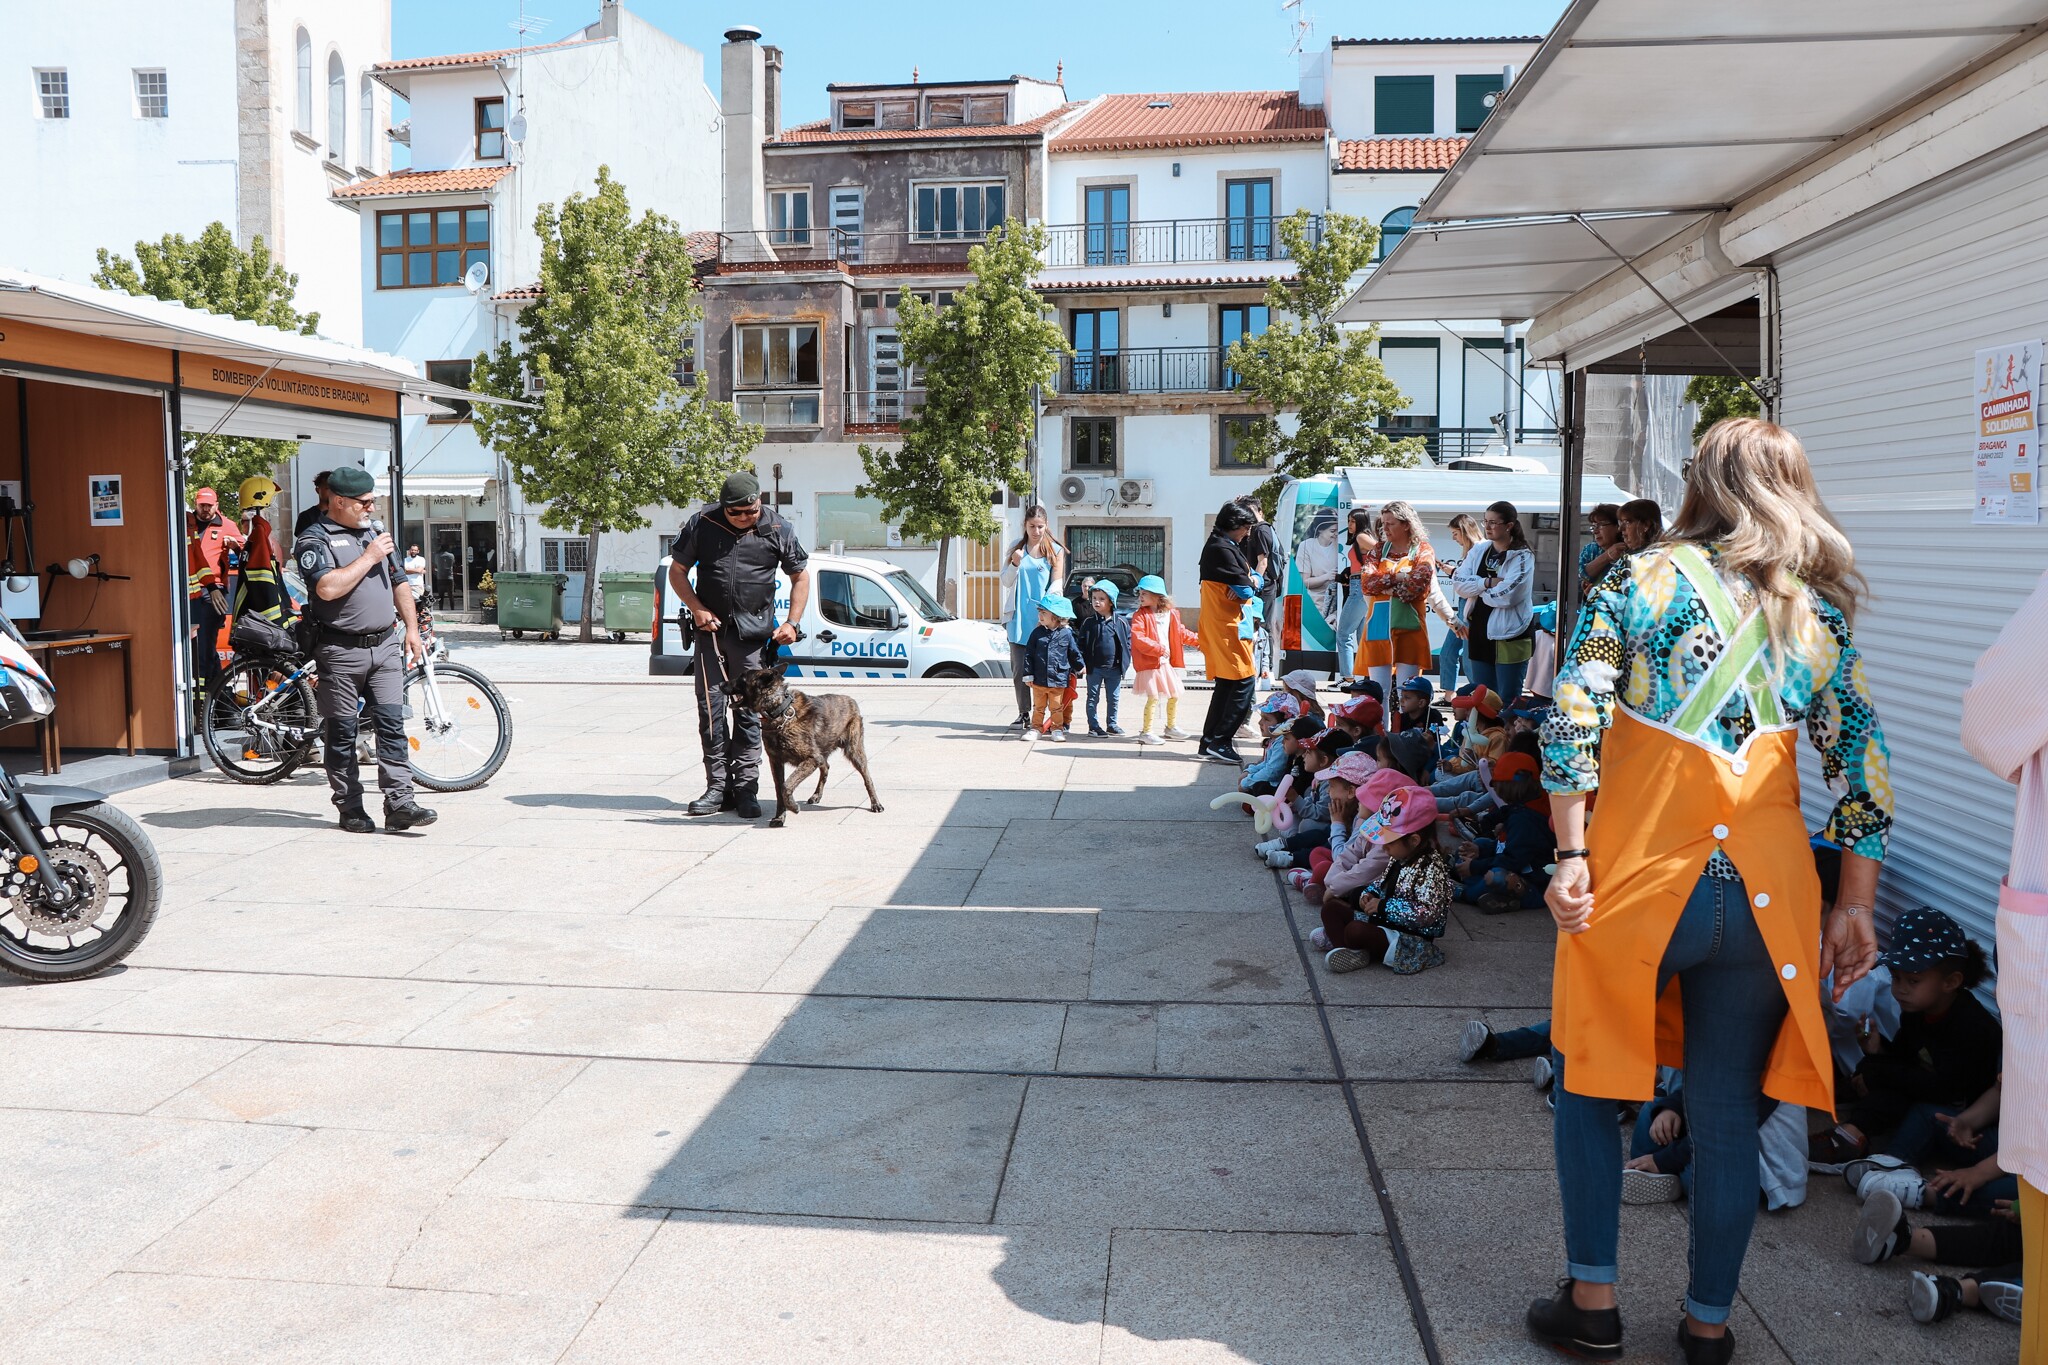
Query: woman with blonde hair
[(1679, 698), (1398, 581)]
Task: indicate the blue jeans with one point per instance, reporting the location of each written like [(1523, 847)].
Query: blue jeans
[(1350, 621), (1920, 1140), (1733, 1009), (1448, 659), (1100, 681), (1520, 1044), (1505, 679)]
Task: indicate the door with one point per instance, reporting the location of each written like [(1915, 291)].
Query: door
[(444, 563), (860, 632), (1238, 321), (1109, 225), (885, 377), (1248, 219), (848, 212), (1094, 334)]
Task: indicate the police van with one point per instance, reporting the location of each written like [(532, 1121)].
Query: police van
[(866, 619)]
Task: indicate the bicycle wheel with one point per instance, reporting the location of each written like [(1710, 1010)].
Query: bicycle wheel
[(261, 723), (459, 736)]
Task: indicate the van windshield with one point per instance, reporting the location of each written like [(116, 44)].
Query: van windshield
[(927, 605)]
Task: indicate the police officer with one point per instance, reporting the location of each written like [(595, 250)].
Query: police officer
[(353, 599), (735, 548)]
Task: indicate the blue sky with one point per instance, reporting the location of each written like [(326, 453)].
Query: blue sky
[(1139, 45)]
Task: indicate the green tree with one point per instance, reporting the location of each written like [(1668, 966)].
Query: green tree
[(1720, 396), (217, 276), (981, 358), (1323, 372), (612, 430)]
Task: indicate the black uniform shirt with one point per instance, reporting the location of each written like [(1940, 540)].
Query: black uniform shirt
[(327, 545), (735, 572)]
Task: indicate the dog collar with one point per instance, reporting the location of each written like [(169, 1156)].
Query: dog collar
[(787, 707)]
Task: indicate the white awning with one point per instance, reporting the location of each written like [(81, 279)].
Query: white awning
[(1645, 104), (438, 485), (209, 414)]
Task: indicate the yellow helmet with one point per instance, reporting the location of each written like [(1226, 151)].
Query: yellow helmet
[(256, 492)]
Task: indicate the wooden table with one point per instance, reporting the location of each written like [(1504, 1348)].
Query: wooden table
[(72, 647)]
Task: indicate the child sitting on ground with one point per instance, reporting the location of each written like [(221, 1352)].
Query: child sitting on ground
[(1263, 777), (1964, 1143), (1506, 867), (1945, 1054), (1401, 916), (1052, 658), (1105, 640), (1884, 1232), (1659, 1168), (1159, 644), (1412, 701), (1480, 739), (1310, 803), (1358, 720), (1351, 860), (1301, 685), (1412, 752)]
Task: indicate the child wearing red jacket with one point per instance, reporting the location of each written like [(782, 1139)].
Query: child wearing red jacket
[(1158, 654)]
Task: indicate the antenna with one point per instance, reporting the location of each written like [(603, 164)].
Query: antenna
[(527, 24), (476, 277), (1303, 24)]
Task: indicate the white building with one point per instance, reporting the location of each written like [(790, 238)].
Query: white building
[(125, 121), (493, 136)]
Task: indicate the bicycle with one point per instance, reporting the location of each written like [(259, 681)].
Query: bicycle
[(261, 723)]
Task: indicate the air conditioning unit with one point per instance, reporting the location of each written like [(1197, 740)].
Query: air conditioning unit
[(1075, 490), (533, 384), (1134, 492)]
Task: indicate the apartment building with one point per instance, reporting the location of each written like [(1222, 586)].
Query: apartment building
[(126, 121), (447, 257)]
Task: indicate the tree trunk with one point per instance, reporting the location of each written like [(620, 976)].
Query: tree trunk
[(589, 581), (945, 551)]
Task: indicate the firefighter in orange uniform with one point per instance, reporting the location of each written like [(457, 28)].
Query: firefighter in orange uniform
[(209, 538)]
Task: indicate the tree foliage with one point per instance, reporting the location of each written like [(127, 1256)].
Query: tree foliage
[(215, 275), (980, 360), (612, 430), (1307, 364), (1720, 396)]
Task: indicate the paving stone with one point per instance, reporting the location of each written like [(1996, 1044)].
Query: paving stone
[(307, 1009), (114, 1073), (1167, 800), (1419, 1042), (1008, 954), (1456, 1125), (589, 1021), (737, 887), (849, 1144), (65, 1004), (927, 1034), (314, 937), (1200, 956), (670, 834), (1474, 976), (479, 1245), (597, 879), (669, 952), (1098, 864), (804, 1292)]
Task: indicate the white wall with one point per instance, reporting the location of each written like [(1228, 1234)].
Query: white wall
[(1348, 83), (1298, 169)]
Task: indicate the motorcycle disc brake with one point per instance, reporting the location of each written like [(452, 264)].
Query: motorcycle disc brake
[(82, 868)]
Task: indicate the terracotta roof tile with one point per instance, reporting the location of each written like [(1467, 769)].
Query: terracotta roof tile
[(471, 58), (1117, 123), (821, 131), (424, 182), (1400, 153)]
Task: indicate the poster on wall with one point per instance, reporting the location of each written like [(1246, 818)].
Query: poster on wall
[(103, 500), (2008, 380)]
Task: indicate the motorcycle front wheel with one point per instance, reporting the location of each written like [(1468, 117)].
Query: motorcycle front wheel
[(111, 864)]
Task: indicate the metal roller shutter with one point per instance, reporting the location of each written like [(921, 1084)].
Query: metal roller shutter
[(1880, 325)]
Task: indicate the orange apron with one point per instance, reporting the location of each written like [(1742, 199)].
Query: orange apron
[(1667, 799), (1225, 654)]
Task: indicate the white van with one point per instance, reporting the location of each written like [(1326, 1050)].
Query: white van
[(866, 619)]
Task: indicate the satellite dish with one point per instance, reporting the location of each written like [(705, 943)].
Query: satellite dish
[(476, 277), (516, 129)]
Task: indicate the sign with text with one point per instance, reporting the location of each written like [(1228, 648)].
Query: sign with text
[(2008, 382)]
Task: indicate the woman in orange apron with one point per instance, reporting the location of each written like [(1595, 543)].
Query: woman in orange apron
[(1690, 913), (1394, 645), (1227, 587)]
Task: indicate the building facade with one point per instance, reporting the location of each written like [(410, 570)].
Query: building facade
[(493, 136), (131, 121)]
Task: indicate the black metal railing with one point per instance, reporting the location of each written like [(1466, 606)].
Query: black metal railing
[(837, 246), (1148, 369), (881, 407), (1444, 445), (1170, 241)]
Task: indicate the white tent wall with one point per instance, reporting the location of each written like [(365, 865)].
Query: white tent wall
[(1880, 323)]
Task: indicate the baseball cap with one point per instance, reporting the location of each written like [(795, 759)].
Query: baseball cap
[(1380, 786), (1508, 765), (1353, 767), (1281, 704), (1923, 938), (205, 495), (1364, 712), (1406, 810), (1477, 697), (1057, 605), (741, 486), (1419, 684), (1529, 707)]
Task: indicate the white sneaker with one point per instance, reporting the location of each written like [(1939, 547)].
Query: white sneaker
[(2001, 1299), (1319, 939), (1268, 847), (1649, 1187), (1345, 959), (1542, 1074), (1473, 1039), (1881, 1231), (1059, 736), (1175, 732), (1854, 1172), (1906, 1186), (1147, 737), (1280, 858)]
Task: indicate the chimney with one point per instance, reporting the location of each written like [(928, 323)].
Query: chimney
[(742, 77), (771, 92), (608, 19)]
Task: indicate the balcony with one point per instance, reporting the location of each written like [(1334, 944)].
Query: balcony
[(1169, 241), (830, 247), (879, 409), (1151, 369), (1447, 445)]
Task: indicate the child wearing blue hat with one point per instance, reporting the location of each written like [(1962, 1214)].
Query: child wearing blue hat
[(1051, 658), (1106, 644), (1158, 654)]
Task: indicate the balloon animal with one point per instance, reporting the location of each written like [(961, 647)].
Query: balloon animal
[(1270, 814)]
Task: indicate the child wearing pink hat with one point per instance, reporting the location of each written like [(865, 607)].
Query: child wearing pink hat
[(1400, 917)]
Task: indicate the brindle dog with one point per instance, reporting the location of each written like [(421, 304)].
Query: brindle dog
[(801, 732)]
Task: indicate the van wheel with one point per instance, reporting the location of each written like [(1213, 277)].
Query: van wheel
[(949, 671)]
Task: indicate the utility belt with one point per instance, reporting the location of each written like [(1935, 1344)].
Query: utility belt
[(317, 635)]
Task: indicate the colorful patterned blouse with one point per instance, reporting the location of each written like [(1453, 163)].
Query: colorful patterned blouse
[(1645, 640)]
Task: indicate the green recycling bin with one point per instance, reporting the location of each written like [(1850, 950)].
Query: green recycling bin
[(530, 601), (628, 602)]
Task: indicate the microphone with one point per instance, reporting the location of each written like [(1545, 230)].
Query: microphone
[(376, 527)]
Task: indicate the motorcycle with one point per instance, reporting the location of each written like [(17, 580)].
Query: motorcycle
[(79, 880)]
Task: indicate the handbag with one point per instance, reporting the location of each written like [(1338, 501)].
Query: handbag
[(1404, 616)]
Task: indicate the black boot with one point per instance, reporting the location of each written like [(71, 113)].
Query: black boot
[(408, 814), (746, 802), (712, 801), (1699, 1350), (1589, 1333), (356, 820)]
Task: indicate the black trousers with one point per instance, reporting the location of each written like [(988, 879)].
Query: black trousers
[(730, 734), (355, 679), (1229, 704), (206, 622)]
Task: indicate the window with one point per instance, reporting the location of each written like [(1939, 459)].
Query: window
[(956, 212), (853, 599), (152, 94), (1091, 443), (1093, 332), (455, 374), (1472, 105), (878, 114), (1108, 211), (1248, 214), (686, 360), (783, 356), (984, 111), (1393, 228), (857, 523), (1413, 363), (304, 121), (366, 140), (490, 129), (563, 555), (1404, 104), (337, 109), (1230, 437), (789, 217), (949, 111), (1236, 322), (53, 87), (425, 248)]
